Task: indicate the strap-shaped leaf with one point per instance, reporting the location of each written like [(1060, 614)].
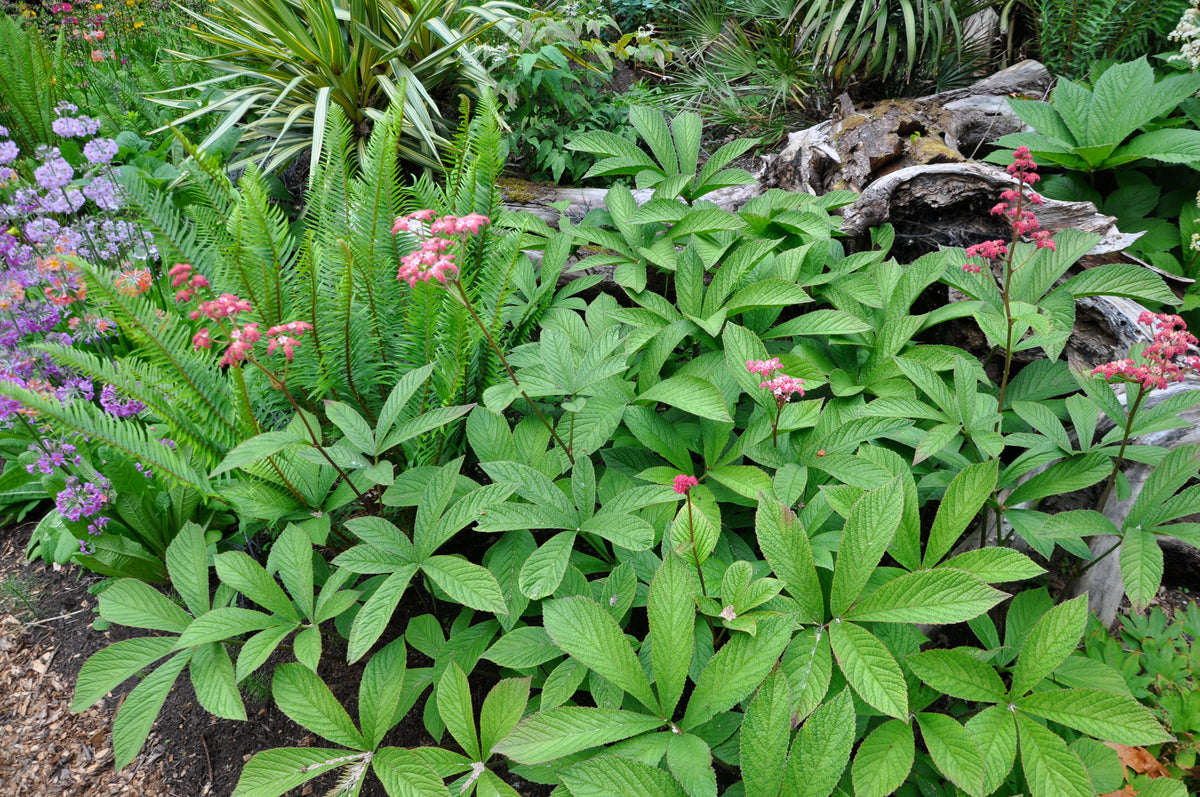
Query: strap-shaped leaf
[(306, 699), (1103, 714), (588, 633), (822, 749), (870, 668), (560, 732)]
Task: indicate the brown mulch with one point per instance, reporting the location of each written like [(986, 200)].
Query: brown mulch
[(44, 748)]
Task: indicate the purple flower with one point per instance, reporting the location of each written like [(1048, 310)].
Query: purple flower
[(8, 152), (115, 406), (99, 150), (79, 500), (104, 193), (54, 173), (96, 527)]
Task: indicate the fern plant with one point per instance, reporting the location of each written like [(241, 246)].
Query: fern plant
[(1073, 35), (29, 84)]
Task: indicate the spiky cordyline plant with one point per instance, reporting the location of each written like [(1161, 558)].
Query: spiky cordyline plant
[(284, 65)]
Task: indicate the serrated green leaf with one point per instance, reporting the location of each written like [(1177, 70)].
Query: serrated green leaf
[(927, 596), (380, 691), (610, 776), (140, 708), (884, 760), (784, 543), (996, 565), (466, 582), (214, 683), (139, 605), (454, 707), (249, 578), (689, 759), (764, 738), (585, 631), (107, 669), (270, 773), (1105, 715), (822, 749), (522, 648), (1048, 644), (403, 773), (690, 394), (372, 619), (543, 570), (995, 735), (808, 663), (223, 623), (958, 674), (963, 499), (502, 710), (305, 698), (559, 732), (953, 751), (736, 670), (187, 563), (873, 521), (1051, 769), (869, 667), (1141, 567), (671, 611)]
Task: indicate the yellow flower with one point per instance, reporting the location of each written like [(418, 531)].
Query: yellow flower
[(137, 25), (98, 7)]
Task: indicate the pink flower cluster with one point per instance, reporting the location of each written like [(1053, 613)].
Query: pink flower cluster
[(1171, 341), (280, 337), (432, 260), (683, 483), (1014, 207), (783, 386), (183, 277)]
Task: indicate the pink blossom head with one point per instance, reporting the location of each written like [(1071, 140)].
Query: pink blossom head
[(784, 387), (764, 367), (683, 483)]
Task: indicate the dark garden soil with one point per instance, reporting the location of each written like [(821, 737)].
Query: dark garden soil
[(46, 635)]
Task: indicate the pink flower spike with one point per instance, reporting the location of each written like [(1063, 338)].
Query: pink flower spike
[(683, 483), (202, 340), (764, 367), (784, 387)]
